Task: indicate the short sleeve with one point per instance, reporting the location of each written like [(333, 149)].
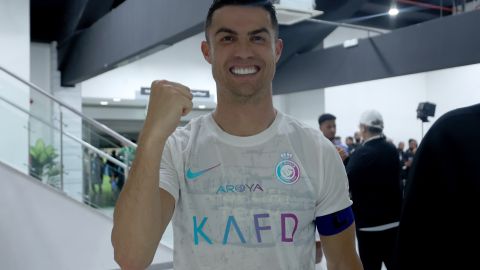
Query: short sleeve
[(333, 194), (168, 175)]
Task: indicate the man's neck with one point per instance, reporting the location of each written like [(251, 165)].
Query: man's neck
[(244, 119), (368, 137)]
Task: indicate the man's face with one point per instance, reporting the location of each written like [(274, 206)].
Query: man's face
[(401, 146), (412, 144), (357, 136), (349, 141), (329, 128), (243, 51)]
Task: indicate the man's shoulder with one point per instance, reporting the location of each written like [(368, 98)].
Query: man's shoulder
[(455, 125), (460, 115)]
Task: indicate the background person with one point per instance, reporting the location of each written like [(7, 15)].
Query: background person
[(328, 126), (375, 187), (438, 226)]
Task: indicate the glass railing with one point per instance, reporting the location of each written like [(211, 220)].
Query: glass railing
[(59, 146)]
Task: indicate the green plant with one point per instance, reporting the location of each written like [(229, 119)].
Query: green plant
[(42, 161)]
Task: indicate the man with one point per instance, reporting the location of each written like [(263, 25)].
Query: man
[(358, 138), (350, 144), (401, 158), (374, 178), (408, 156), (327, 125), (400, 150), (245, 185), (438, 226)]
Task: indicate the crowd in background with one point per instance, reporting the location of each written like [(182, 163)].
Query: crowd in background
[(377, 171), (104, 177)]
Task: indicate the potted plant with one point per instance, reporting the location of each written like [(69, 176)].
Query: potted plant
[(42, 162)]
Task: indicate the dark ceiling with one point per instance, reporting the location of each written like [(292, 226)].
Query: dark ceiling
[(132, 28), (57, 20), (373, 12)]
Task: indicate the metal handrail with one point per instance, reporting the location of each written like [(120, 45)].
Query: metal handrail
[(75, 111), (80, 141)]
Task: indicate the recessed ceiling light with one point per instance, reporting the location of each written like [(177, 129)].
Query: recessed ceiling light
[(117, 99), (393, 11), (104, 103), (202, 107)]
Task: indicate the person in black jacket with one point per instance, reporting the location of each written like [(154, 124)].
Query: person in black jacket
[(375, 187), (438, 226)]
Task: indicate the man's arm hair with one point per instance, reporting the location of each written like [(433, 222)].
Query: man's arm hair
[(143, 210), (339, 250)]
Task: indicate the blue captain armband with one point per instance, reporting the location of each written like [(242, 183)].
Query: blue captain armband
[(335, 222)]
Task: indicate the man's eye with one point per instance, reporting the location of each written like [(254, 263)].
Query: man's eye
[(258, 39), (227, 38)]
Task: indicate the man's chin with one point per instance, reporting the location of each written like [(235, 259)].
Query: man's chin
[(244, 89)]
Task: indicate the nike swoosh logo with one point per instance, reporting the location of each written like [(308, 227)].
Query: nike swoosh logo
[(191, 176)]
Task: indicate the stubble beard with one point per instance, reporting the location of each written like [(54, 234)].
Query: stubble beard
[(246, 93), (243, 93)]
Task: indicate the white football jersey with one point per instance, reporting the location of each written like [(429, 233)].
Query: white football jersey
[(250, 202)]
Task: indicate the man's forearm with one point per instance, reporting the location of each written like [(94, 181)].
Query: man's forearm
[(138, 217)]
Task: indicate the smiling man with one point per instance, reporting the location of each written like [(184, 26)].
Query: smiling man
[(245, 186)]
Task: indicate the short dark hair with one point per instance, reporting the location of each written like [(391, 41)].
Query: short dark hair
[(374, 130), (325, 117), (265, 4)]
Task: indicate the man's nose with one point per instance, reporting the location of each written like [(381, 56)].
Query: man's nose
[(243, 50)]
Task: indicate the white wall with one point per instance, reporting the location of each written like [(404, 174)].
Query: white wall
[(395, 98), (305, 106), (46, 230), (41, 107), (453, 88), (182, 62), (41, 65), (15, 56)]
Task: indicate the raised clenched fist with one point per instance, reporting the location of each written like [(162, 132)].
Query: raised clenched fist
[(169, 101)]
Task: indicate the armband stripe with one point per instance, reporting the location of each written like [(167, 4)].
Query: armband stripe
[(335, 223)]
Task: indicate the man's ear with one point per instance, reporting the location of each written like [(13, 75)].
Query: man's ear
[(363, 129), (206, 51), (278, 49)]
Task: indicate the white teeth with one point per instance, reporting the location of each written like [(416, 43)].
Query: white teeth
[(244, 71)]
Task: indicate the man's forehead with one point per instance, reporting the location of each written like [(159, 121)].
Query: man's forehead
[(328, 122), (230, 16)]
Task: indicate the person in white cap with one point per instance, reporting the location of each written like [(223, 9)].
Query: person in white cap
[(374, 179)]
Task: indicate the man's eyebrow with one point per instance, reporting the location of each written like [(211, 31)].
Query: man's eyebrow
[(225, 30), (251, 33), (258, 31)]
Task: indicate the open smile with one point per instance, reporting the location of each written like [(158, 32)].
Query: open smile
[(244, 71)]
